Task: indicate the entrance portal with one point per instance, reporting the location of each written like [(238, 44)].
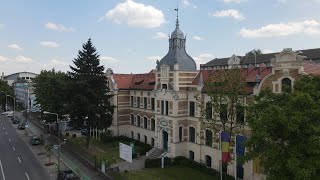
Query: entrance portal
[(165, 140)]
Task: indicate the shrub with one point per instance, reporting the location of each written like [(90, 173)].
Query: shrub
[(67, 134), (154, 163), (74, 135)]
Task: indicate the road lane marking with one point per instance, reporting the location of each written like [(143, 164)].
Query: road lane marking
[(19, 160), (6, 133), (4, 178), (9, 140), (27, 176), (13, 148)]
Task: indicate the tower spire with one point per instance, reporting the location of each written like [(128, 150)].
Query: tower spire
[(177, 21)]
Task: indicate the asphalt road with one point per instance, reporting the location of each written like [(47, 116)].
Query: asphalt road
[(17, 162)]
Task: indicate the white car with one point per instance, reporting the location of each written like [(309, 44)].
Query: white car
[(10, 114), (7, 112)]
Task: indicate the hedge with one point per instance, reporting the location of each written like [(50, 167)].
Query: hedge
[(154, 163)]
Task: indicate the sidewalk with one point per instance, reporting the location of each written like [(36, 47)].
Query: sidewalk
[(71, 159)]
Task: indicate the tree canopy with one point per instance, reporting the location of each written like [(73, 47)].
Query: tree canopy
[(286, 131), (5, 89), (52, 91), (91, 96)]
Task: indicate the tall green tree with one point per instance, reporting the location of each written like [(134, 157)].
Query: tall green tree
[(225, 109), (90, 93), (286, 131), (5, 89), (52, 90)]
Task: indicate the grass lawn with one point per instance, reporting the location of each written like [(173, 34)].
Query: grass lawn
[(170, 173), (109, 151)]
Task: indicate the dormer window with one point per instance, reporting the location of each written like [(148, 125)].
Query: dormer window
[(164, 72)]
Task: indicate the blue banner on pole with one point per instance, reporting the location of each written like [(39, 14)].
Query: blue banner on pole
[(240, 150)]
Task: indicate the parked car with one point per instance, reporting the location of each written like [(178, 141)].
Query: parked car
[(10, 114), (67, 175), (15, 121), (35, 140), (21, 126), (84, 131), (7, 112)]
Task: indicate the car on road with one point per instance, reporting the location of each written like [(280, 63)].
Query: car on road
[(22, 126), (10, 114), (15, 121), (67, 175), (7, 112), (35, 140), (84, 131)]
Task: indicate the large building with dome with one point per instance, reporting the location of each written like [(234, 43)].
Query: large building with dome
[(160, 108)]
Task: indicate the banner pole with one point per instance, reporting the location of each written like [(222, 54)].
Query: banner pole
[(235, 157), (220, 155)]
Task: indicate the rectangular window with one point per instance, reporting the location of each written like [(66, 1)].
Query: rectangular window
[(223, 113), (167, 107), (152, 103), (138, 102), (208, 110), (138, 137), (240, 114), (191, 109), (162, 107), (131, 100), (145, 102), (145, 139), (180, 134)]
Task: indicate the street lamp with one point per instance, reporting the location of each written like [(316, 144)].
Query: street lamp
[(14, 106), (46, 112)]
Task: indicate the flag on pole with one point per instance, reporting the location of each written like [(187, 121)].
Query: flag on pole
[(240, 150), (225, 143)]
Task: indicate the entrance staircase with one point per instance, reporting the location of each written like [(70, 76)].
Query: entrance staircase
[(154, 153)]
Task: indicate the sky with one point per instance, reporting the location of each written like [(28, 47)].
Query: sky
[(130, 35)]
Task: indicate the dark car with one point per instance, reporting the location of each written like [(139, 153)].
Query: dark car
[(22, 126), (15, 121), (67, 175), (84, 131), (35, 140)]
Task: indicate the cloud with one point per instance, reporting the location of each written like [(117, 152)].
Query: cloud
[(14, 46), (233, 13), (23, 59), (307, 27), (203, 58), (58, 27), (282, 1), (49, 44), (1, 26), (160, 35), (188, 3), (4, 59), (109, 59), (234, 1), (198, 38), (154, 58), (136, 15)]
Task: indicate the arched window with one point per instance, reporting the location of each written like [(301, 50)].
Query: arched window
[(153, 125), (208, 137), (132, 136), (145, 122), (138, 134), (138, 121), (152, 141), (286, 82), (192, 134), (180, 134), (208, 161), (132, 119), (145, 139), (191, 155)]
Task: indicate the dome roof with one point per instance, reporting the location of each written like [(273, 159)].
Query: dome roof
[(177, 33)]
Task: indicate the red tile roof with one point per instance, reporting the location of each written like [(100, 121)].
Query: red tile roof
[(311, 67), (135, 81)]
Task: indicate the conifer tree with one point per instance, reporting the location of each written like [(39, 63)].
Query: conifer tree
[(90, 102)]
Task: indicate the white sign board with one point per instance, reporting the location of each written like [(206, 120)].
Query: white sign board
[(125, 152)]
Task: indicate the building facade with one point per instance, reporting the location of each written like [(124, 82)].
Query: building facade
[(160, 107), (25, 77)]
